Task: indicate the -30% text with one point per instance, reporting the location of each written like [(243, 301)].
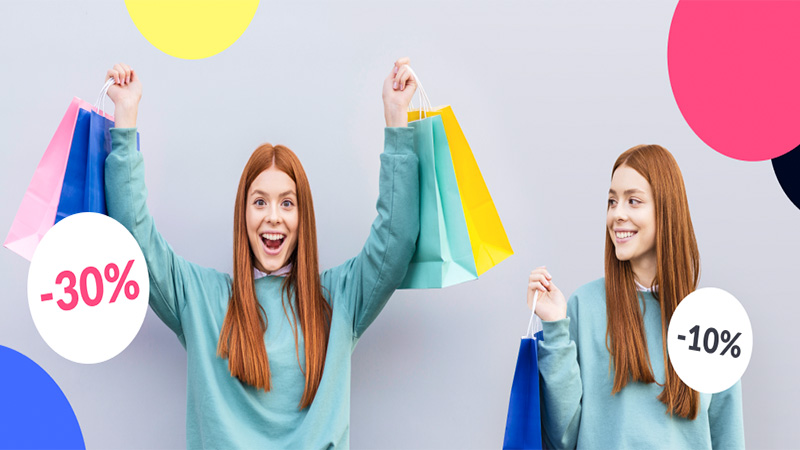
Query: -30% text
[(112, 275)]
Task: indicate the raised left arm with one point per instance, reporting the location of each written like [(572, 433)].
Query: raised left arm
[(364, 284)]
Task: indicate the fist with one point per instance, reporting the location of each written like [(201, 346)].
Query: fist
[(398, 89), (127, 90), (551, 304)]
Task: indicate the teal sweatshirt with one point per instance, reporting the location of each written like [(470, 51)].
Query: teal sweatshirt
[(578, 410), (192, 301)]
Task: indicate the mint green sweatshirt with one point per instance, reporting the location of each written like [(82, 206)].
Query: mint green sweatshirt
[(192, 301), (578, 410)]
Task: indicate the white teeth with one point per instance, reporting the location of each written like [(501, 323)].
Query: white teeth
[(273, 236), (624, 234)]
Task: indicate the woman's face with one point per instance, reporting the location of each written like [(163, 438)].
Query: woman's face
[(272, 219), (631, 218)]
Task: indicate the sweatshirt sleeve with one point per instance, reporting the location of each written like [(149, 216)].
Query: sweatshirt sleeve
[(126, 202), (725, 418), (561, 386), (364, 284)]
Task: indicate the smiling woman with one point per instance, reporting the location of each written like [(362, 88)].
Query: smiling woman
[(607, 379), (271, 210), (275, 234), (631, 221), (269, 357)]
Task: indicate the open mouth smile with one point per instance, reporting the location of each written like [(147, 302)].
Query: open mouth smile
[(272, 242)]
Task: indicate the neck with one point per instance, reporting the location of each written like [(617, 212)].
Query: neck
[(644, 270)]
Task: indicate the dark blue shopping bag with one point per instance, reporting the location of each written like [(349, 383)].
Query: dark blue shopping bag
[(84, 183), (524, 424)]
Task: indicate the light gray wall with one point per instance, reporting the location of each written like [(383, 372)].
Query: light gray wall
[(548, 93)]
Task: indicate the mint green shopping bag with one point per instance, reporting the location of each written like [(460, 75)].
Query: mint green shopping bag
[(444, 253)]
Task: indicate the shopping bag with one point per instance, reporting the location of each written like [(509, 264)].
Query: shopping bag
[(83, 189), (37, 211), (444, 255), (74, 180), (69, 177), (487, 236), (524, 423), (99, 148)]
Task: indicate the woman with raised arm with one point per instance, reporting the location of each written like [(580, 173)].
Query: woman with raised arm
[(269, 357), (606, 379)]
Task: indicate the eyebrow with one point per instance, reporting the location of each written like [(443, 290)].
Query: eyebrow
[(282, 194), (627, 191)]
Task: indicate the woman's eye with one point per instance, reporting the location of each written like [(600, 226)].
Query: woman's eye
[(634, 201), (287, 204), (260, 202), (611, 202)]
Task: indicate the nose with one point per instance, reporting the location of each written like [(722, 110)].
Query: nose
[(620, 214), (273, 215)]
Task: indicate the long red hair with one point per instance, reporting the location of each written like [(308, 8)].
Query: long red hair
[(242, 337), (678, 270)]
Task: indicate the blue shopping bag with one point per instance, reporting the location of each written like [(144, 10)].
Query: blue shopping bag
[(83, 189), (94, 197), (524, 421)]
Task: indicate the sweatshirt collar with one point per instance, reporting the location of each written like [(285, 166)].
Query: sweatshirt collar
[(282, 272), (641, 288)]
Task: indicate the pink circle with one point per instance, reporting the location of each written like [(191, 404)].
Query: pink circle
[(734, 67)]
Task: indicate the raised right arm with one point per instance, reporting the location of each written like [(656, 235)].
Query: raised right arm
[(126, 197), (126, 202)]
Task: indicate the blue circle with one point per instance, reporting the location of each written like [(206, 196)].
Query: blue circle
[(34, 413)]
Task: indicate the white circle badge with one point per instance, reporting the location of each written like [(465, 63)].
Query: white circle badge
[(88, 288), (710, 340)]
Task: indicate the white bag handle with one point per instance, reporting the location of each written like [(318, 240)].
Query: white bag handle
[(535, 323), (100, 104), (425, 105)]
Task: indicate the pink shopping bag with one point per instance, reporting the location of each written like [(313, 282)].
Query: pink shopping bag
[(37, 212)]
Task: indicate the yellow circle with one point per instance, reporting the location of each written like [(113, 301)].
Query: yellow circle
[(192, 29)]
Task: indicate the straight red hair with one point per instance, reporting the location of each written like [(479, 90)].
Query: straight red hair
[(678, 270), (241, 339)]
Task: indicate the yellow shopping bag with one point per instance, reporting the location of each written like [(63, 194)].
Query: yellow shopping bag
[(487, 236)]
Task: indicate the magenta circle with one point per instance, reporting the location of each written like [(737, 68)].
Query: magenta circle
[(735, 73)]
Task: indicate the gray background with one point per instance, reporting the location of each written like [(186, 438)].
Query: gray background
[(548, 93)]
